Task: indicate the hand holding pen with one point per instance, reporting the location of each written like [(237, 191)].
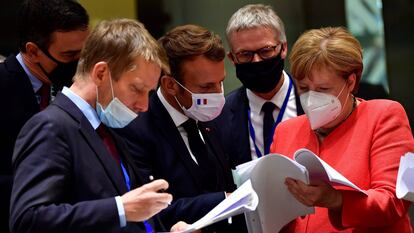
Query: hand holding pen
[(144, 202)]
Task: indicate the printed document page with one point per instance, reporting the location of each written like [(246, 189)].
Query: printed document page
[(242, 200), (405, 178)]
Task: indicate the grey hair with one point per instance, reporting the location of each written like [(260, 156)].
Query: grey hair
[(253, 16)]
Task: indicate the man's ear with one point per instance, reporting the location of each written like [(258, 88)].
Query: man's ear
[(230, 57), (100, 73), (32, 51), (169, 85), (283, 52)]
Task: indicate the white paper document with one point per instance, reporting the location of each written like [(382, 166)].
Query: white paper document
[(242, 200), (320, 170), (405, 178), (277, 206)]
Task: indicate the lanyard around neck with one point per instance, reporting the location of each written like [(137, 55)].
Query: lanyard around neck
[(148, 227), (278, 120)]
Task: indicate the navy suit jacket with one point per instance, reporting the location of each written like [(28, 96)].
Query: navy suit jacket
[(18, 105), (234, 132), (159, 150), (65, 179)]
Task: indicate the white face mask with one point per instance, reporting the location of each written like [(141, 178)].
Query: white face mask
[(321, 108), (205, 106), (116, 114)]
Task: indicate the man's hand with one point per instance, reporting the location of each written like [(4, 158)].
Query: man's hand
[(320, 194), (144, 202)]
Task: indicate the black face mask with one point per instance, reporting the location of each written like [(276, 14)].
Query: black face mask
[(62, 74), (262, 76)]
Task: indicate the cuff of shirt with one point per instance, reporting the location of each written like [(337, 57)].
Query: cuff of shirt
[(121, 211)]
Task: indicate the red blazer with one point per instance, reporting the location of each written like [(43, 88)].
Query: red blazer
[(366, 148)]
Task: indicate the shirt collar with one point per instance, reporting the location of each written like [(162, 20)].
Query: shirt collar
[(36, 83), (86, 109), (256, 102), (176, 115)]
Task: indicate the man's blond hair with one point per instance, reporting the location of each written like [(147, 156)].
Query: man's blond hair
[(119, 42)]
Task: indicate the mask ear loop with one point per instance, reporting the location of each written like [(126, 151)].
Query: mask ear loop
[(182, 106), (183, 86), (110, 81), (346, 101)]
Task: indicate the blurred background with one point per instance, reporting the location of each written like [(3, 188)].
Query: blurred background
[(385, 29)]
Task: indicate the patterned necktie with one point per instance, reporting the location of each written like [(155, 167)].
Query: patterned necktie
[(44, 93)]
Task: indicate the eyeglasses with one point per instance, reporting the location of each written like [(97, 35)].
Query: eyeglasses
[(264, 53)]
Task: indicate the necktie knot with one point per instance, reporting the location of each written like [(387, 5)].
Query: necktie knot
[(190, 127), (268, 107), (44, 94), (108, 141)]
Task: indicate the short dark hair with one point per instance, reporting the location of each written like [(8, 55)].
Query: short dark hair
[(38, 19), (188, 41)]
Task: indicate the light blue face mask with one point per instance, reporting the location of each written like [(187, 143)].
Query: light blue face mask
[(116, 114)]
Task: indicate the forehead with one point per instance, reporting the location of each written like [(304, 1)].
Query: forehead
[(144, 73), (321, 76), (202, 70), (252, 38), (68, 41)]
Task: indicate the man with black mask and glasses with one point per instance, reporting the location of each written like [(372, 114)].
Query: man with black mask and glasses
[(52, 34), (258, 47)]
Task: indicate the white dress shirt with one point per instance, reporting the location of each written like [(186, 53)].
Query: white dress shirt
[(256, 115)]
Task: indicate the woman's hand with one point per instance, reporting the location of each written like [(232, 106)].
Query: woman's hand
[(320, 194)]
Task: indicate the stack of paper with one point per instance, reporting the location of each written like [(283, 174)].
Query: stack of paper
[(405, 178), (277, 206), (242, 200)]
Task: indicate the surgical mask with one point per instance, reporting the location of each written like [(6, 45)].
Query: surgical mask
[(262, 76), (62, 74), (205, 106), (321, 108), (116, 114)]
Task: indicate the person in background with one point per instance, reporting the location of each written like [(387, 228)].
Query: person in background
[(258, 48), (51, 35), (71, 172), (363, 140), (174, 140)]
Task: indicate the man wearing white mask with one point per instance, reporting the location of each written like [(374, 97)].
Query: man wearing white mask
[(72, 174), (174, 140)]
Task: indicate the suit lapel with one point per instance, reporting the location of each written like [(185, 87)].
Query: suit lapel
[(25, 90), (239, 129), (173, 137), (111, 168), (208, 131), (136, 179)]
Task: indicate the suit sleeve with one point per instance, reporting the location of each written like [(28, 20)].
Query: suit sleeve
[(189, 209), (391, 139), (42, 198)]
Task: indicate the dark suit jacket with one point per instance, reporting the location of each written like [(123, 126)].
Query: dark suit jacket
[(65, 179), (159, 150), (234, 132), (18, 105)]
